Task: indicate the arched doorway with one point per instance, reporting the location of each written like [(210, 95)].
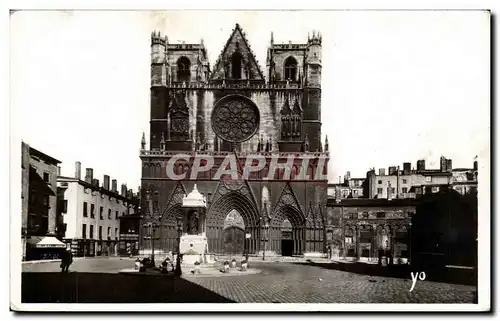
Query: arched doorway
[(287, 232), (218, 236), (234, 233), (286, 238), (365, 243)]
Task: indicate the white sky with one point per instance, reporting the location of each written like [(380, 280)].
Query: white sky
[(397, 86)]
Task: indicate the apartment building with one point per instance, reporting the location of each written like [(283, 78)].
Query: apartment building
[(91, 212)]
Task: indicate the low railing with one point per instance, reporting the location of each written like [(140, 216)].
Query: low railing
[(238, 85), (166, 153)]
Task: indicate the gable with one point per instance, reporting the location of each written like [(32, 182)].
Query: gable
[(237, 43)]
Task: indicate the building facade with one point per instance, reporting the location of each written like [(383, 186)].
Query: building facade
[(362, 229), (464, 180), (91, 212), (350, 188), (236, 110), (130, 228), (408, 183), (39, 205)]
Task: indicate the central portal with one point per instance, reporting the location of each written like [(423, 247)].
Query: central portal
[(234, 233), (286, 238)]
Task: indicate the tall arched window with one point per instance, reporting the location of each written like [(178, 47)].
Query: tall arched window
[(291, 69), (236, 65), (183, 69)]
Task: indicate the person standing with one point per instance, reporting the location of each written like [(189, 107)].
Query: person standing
[(67, 259)]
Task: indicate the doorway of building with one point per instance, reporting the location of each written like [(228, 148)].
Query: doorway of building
[(286, 238), (286, 247), (234, 234)]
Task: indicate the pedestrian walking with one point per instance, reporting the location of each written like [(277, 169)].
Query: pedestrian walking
[(66, 260)]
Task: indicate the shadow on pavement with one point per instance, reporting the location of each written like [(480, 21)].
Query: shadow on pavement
[(78, 287), (447, 275)]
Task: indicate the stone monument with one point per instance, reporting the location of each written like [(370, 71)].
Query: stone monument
[(193, 242)]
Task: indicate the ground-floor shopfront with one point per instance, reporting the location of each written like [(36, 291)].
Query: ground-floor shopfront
[(367, 243), (42, 247), (86, 247), (128, 245)]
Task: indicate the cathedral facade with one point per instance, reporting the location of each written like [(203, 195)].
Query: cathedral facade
[(201, 115)]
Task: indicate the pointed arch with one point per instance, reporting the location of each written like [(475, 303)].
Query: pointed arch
[(288, 198), (290, 67), (229, 196), (183, 69), (236, 65), (175, 199)]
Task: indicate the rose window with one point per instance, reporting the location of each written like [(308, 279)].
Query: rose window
[(235, 118)]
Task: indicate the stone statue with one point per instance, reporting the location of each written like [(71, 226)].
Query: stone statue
[(226, 69), (193, 223)]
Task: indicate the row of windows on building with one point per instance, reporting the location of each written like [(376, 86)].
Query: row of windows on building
[(34, 198), (101, 212), (46, 176), (404, 181), (404, 190), (365, 215), (91, 232), (184, 68)]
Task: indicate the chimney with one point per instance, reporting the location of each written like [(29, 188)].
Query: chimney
[(95, 182), (381, 171), (89, 176), (475, 165), (448, 165), (392, 170), (114, 186), (442, 164), (421, 165), (406, 168), (58, 170), (347, 177), (106, 182), (78, 170)]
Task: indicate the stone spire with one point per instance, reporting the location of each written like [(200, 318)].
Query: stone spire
[(198, 141), (162, 142), (168, 126), (306, 144), (143, 141), (260, 145)]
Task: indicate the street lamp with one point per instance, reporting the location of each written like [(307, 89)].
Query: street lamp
[(180, 219), (153, 216), (265, 234), (247, 245), (409, 245)]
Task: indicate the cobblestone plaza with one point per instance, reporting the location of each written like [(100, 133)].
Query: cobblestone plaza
[(96, 280)]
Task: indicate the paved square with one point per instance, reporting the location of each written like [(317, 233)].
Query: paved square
[(97, 280)]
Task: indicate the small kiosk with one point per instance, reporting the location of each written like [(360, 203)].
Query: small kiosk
[(193, 241)]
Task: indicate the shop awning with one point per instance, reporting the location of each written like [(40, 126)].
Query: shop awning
[(50, 241)]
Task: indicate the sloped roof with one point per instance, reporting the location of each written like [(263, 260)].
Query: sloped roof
[(219, 63)]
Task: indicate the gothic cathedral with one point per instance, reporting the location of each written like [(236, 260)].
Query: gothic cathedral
[(240, 109)]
